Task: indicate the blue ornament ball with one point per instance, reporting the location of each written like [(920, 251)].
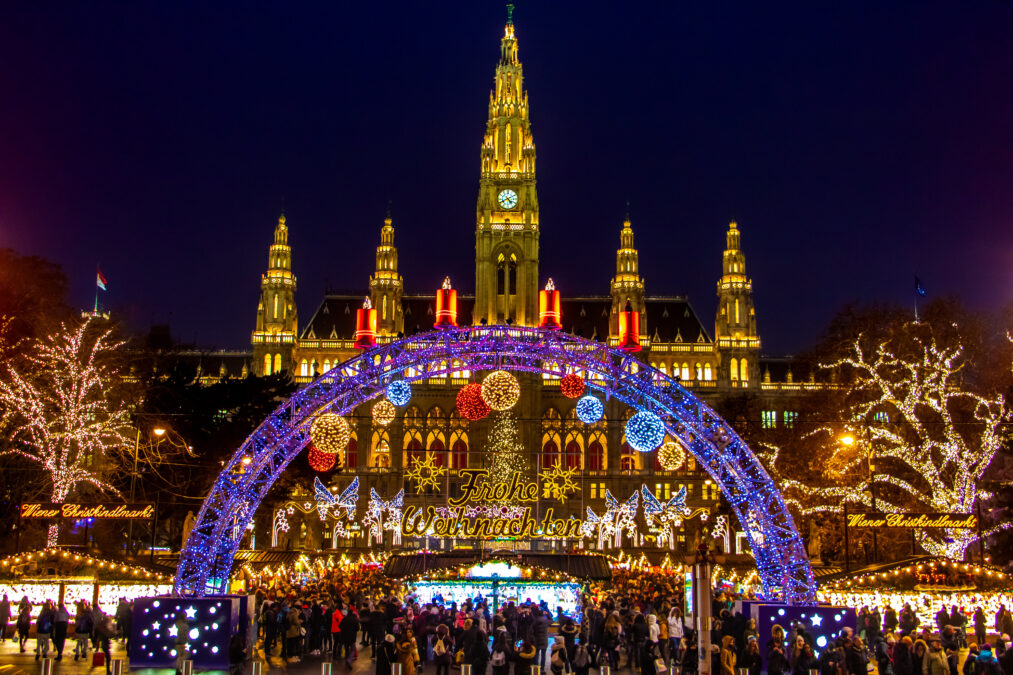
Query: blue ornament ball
[(590, 409), (399, 392), (645, 431)]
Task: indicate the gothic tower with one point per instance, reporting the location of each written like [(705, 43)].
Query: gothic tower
[(627, 286), (275, 335), (386, 285), (735, 325), (506, 233)]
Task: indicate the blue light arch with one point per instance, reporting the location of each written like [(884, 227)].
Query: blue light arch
[(206, 560)]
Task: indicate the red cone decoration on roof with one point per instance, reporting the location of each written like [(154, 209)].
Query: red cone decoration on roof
[(629, 329), (549, 313), (446, 306), (470, 403), (365, 326)]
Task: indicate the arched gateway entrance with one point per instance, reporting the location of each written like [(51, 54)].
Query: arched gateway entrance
[(781, 558)]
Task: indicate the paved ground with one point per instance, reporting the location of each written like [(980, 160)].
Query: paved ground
[(14, 663)]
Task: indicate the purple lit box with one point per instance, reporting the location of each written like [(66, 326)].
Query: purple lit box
[(823, 622), (212, 622)]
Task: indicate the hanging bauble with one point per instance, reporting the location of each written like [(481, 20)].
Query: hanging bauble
[(501, 390), (571, 386), (383, 412), (470, 403), (590, 409), (320, 461), (330, 433), (645, 431), (399, 392), (671, 456)]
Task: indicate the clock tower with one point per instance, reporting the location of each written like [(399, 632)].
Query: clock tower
[(506, 232)]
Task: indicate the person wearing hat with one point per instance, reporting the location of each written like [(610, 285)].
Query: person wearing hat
[(986, 663), (750, 657), (935, 661), (386, 655), (903, 663)]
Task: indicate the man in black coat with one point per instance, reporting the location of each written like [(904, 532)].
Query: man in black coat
[(349, 633)]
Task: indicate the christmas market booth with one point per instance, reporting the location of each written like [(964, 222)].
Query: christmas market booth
[(69, 576), (552, 580), (925, 582)]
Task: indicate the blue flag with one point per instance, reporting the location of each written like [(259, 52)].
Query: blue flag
[(919, 289)]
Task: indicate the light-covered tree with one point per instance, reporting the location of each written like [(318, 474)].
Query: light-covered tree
[(58, 410), (909, 427)]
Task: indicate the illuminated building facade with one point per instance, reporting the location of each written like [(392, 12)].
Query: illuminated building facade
[(670, 335)]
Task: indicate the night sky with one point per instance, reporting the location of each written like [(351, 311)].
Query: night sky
[(856, 144)]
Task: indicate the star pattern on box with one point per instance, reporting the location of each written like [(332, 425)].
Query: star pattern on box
[(425, 472), (558, 483)]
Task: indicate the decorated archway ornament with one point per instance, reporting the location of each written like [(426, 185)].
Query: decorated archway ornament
[(206, 560)]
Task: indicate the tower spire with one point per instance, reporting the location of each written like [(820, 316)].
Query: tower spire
[(735, 333), (510, 13), (386, 284), (627, 285), (277, 321)]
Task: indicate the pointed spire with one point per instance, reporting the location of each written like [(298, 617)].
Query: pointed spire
[(510, 14)]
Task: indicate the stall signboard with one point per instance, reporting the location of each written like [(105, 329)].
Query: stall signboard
[(957, 521), (103, 511)]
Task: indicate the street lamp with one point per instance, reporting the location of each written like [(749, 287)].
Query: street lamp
[(157, 431)]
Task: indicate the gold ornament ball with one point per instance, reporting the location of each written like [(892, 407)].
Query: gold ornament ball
[(330, 433), (383, 412), (671, 456), (500, 390)]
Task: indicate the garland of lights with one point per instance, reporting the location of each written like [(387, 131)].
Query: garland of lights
[(425, 472), (572, 385), (590, 409), (330, 434), (383, 412), (399, 393), (320, 461), (470, 403), (671, 456), (645, 431), (752, 494), (500, 390)]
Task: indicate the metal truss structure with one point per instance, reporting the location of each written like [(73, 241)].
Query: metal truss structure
[(206, 561)]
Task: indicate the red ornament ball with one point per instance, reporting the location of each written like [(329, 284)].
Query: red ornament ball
[(470, 403), (321, 461), (572, 385)]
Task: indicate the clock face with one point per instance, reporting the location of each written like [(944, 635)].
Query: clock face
[(507, 199)]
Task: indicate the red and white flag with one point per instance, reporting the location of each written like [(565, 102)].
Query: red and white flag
[(100, 280)]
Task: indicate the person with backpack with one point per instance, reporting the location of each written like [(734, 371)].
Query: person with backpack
[(502, 652), (443, 649), (581, 659), (43, 630), (558, 661)]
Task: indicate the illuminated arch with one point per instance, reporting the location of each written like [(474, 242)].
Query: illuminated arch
[(206, 560)]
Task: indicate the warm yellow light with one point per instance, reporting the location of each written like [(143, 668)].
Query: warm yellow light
[(847, 439), (158, 431), (246, 460)]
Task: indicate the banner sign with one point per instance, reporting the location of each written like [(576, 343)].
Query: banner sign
[(957, 521), (98, 511)]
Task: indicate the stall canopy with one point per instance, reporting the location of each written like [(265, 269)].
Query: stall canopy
[(589, 566)]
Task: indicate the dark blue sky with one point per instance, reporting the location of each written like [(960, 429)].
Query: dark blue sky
[(856, 144)]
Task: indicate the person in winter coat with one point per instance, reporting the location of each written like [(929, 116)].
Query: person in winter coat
[(349, 631), (777, 660), (676, 632), (935, 661), (407, 652), (525, 657), (979, 625), (728, 656), (540, 635), (24, 622), (83, 626), (569, 629), (558, 660), (44, 630), (903, 658), (502, 651), (653, 632), (750, 657), (648, 654), (855, 659), (61, 618), (613, 634), (293, 634), (986, 663), (386, 654), (443, 650), (5, 617), (802, 658)]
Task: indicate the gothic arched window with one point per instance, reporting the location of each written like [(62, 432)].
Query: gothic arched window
[(267, 364), (277, 363), (735, 369)]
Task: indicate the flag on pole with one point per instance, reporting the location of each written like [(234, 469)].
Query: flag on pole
[(919, 289), (100, 280)]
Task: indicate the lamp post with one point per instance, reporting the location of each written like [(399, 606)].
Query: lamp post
[(158, 432), (849, 440)]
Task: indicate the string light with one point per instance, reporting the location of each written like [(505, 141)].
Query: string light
[(330, 433), (399, 393), (500, 390), (470, 403), (320, 461), (671, 456), (645, 431), (507, 452), (590, 409), (571, 385), (383, 412)]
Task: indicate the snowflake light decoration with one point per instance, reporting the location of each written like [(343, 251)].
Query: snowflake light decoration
[(558, 483), (500, 390), (590, 409), (399, 392), (330, 433), (425, 472), (645, 431)]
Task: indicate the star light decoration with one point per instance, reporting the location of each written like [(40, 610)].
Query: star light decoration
[(330, 433), (671, 456), (645, 431), (590, 409), (399, 393), (425, 472), (500, 390), (558, 483), (470, 403), (383, 412)]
